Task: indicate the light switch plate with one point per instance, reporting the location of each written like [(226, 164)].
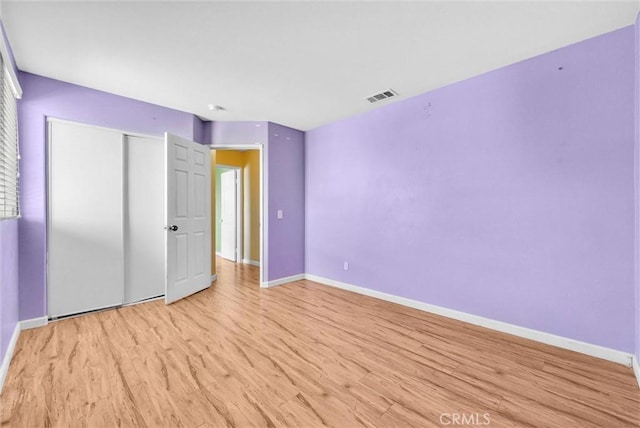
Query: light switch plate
[(279, 214)]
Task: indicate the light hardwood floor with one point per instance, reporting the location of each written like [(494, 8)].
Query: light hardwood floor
[(302, 355)]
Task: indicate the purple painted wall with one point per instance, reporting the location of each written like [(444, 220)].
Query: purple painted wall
[(43, 98), (637, 181), (8, 282), (286, 193), (199, 131), (508, 195), (8, 262), (284, 151)]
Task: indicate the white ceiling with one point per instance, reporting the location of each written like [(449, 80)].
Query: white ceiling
[(301, 64)]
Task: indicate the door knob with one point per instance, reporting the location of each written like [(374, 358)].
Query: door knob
[(173, 228)]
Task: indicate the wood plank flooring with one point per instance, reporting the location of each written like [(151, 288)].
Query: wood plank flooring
[(302, 355)]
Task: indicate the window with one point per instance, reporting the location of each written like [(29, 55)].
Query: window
[(9, 157)]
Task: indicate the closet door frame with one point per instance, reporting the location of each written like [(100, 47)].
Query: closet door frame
[(124, 175)]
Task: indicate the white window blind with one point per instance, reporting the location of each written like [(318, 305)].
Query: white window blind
[(9, 155)]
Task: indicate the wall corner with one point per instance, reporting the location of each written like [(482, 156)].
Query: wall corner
[(636, 195)]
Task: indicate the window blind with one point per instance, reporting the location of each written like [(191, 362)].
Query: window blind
[(9, 155)]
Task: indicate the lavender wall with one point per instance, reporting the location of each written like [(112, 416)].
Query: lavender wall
[(286, 193), (284, 152), (199, 133), (637, 181), (8, 282), (8, 262), (508, 195), (43, 98)]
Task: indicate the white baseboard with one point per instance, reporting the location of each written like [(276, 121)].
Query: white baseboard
[(6, 361), (539, 336), (214, 277), (282, 281), (20, 325), (33, 323), (636, 369), (251, 262), (218, 253)]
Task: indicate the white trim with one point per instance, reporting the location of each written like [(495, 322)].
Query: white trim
[(214, 277), (636, 369), (527, 333), (282, 281), (8, 355), (251, 262), (264, 213), (33, 323)]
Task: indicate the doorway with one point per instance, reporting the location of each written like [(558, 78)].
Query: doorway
[(229, 215), (238, 183)]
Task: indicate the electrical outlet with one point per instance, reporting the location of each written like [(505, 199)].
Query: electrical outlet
[(346, 265)]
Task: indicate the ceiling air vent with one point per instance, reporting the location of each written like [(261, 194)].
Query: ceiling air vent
[(382, 96)]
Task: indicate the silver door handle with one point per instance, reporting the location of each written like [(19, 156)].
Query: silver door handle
[(173, 228)]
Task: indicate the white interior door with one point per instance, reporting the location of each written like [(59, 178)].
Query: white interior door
[(228, 214), (188, 208), (85, 234), (144, 218)]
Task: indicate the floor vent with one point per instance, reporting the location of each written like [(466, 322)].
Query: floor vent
[(382, 96)]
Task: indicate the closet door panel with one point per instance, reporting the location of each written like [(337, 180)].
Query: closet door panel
[(85, 234), (145, 233)]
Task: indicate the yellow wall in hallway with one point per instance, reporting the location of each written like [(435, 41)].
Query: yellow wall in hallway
[(230, 157)]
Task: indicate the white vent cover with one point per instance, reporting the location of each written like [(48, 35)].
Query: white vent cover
[(382, 96)]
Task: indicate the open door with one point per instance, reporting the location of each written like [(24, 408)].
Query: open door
[(228, 215), (188, 210)]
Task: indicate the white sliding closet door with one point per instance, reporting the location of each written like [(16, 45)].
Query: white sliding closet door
[(86, 234), (144, 226)]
